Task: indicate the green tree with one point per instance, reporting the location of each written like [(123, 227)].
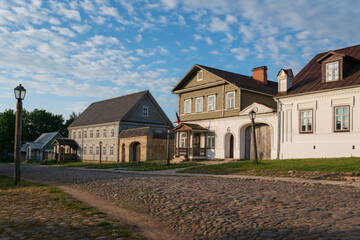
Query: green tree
[(72, 118), (40, 121), (7, 131)]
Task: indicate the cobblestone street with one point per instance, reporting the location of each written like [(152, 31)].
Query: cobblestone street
[(221, 208)]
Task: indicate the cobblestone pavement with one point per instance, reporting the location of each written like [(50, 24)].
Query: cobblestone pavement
[(222, 208)]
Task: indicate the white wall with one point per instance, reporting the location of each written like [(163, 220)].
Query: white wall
[(237, 126), (324, 142)]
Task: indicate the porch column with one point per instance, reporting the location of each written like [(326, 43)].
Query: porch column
[(189, 139)]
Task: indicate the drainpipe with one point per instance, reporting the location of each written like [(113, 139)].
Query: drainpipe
[(223, 101), (279, 127)]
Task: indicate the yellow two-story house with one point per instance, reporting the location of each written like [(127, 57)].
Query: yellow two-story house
[(213, 107)]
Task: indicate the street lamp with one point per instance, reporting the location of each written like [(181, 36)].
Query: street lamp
[(100, 144), (19, 95), (252, 116), (168, 147)]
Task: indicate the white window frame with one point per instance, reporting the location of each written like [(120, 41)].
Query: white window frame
[(145, 111), (211, 103), (112, 133), (104, 133), (183, 140), (74, 134), (342, 119), (200, 75), (97, 133), (111, 150), (187, 104), (104, 150), (230, 102), (91, 150), (199, 104), (79, 134), (97, 151), (210, 140), (84, 150), (85, 133), (332, 71), (309, 120), (91, 133)]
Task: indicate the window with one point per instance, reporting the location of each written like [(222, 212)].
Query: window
[(230, 100), (210, 140), (91, 133), (97, 150), (145, 111), (332, 71), (200, 75), (79, 134), (85, 134), (74, 134), (199, 104), (187, 106), (183, 139), (97, 133), (104, 133), (211, 103), (342, 118), (104, 150), (84, 150), (111, 150), (306, 121), (91, 150), (112, 132)]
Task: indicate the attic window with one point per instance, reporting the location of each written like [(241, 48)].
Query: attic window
[(145, 111), (200, 75), (332, 71)]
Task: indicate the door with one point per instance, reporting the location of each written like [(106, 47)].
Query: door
[(231, 146), (263, 142), (136, 152), (196, 144), (123, 152)]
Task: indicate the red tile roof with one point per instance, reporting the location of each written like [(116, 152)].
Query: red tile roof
[(309, 78)]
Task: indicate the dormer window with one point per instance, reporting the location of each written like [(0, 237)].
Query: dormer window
[(332, 71), (200, 75)]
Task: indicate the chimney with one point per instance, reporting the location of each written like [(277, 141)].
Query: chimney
[(260, 74), (285, 78)]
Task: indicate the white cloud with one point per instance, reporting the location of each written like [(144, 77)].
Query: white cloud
[(169, 4), (81, 28), (109, 11), (197, 37), (63, 31), (181, 20), (240, 53), (209, 41), (87, 6), (214, 52), (61, 9), (218, 25), (193, 48), (138, 38)]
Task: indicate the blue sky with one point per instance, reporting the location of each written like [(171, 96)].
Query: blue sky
[(68, 54)]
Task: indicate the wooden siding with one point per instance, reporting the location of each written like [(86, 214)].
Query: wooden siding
[(208, 77), (248, 98)]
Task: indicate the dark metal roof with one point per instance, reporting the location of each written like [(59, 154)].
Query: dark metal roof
[(106, 111), (135, 132), (65, 141), (241, 81), (309, 78)]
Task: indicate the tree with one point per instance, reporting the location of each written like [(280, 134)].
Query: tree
[(40, 121), (72, 118), (7, 131)]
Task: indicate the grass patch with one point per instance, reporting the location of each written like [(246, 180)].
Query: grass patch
[(302, 165), (45, 207), (153, 165)]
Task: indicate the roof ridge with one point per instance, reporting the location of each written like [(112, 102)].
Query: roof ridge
[(224, 70), (127, 95)]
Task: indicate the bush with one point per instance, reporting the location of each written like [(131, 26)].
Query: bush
[(8, 159), (49, 161)]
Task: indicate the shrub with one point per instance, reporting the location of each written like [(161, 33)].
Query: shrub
[(49, 161), (8, 159)]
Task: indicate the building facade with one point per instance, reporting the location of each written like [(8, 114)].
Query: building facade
[(213, 106), (318, 109), (99, 126)]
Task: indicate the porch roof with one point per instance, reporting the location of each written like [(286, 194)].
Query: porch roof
[(65, 141), (189, 127)]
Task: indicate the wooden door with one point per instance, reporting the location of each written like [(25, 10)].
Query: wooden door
[(123, 152), (231, 146), (136, 152), (263, 141)]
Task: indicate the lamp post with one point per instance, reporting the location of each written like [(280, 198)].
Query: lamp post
[(252, 116), (100, 144), (19, 95), (168, 147)]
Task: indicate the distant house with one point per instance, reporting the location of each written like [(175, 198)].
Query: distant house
[(42, 147), (319, 108), (99, 126)]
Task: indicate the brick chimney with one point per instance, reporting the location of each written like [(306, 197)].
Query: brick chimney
[(260, 74)]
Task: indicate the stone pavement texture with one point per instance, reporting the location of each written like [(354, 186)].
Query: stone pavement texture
[(202, 207)]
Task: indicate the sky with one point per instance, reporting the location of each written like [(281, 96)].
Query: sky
[(68, 54)]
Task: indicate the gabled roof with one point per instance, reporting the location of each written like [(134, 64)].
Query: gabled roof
[(107, 111), (309, 79), (288, 72), (34, 145), (135, 132), (46, 137), (189, 126), (241, 81), (65, 141)]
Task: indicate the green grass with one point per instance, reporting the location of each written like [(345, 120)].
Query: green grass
[(154, 165), (301, 165)]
